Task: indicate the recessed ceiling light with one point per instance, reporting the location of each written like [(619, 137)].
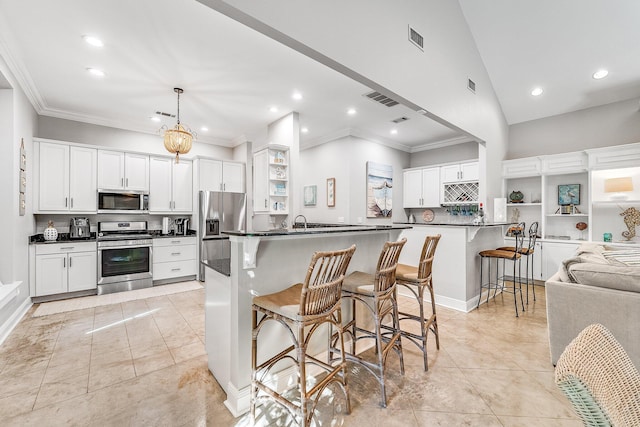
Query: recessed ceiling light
[(304, 130), (394, 131), (273, 109), (96, 72), (155, 119), (297, 96), (93, 41), (600, 74), (204, 129), (537, 91), (351, 111)]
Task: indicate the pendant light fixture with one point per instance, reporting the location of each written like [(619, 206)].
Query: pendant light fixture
[(178, 139)]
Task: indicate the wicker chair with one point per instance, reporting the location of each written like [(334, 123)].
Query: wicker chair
[(302, 309), (599, 379), (528, 253), (416, 280), (377, 293), (510, 255)]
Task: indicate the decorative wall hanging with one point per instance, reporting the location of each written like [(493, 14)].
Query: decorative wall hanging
[(568, 194), (22, 200), (379, 190), (310, 195), (331, 192)]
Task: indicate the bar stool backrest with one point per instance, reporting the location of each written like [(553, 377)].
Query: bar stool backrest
[(322, 287), (385, 276), (518, 232), (533, 235), (426, 258)]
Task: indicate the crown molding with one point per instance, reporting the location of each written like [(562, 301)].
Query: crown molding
[(440, 144)]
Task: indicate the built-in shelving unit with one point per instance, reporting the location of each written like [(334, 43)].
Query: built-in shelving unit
[(271, 181)]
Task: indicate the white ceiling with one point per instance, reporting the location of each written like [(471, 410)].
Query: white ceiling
[(557, 45), (232, 75)]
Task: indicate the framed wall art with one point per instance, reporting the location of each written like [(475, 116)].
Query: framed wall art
[(331, 192), (310, 195), (568, 194), (379, 190)]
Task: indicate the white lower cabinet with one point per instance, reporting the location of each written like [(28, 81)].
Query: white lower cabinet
[(174, 258), (65, 267), (553, 253)]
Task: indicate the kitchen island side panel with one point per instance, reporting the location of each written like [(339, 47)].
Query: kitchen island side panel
[(281, 261)]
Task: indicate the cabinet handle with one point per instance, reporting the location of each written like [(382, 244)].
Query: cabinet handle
[(175, 241), (67, 248), (176, 253), (72, 202), (127, 182), (176, 269), (265, 203), (64, 263), (121, 182), (70, 258), (66, 199), (224, 187)]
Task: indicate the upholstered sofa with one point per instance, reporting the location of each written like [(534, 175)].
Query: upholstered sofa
[(598, 285)]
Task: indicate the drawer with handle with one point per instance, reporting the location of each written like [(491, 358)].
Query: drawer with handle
[(65, 247), (173, 241), (168, 270), (173, 253)]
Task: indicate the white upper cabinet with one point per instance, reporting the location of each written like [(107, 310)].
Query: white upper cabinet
[(530, 166), (421, 188), (261, 181), (564, 163), (123, 171), (216, 175), (66, 178), (233, 177), (170, 185), (622, 156), (469, 171)]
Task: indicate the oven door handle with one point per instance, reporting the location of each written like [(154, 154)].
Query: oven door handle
[(124, 247)]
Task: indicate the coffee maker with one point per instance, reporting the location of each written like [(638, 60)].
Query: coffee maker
[(79, 228), (182, 226)]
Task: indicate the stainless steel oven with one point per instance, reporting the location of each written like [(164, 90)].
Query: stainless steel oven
[(125, 256)]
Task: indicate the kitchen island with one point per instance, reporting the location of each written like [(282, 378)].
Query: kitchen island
[(262, 263), (456, 266)]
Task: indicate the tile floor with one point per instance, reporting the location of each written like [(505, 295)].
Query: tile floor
[(143, 363)]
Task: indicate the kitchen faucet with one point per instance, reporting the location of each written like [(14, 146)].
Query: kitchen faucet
[(295, 221)]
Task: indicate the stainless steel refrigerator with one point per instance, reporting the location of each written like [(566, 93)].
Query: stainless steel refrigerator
[(219, 212)]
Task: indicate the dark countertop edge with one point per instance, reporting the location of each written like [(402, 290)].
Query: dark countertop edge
[(38, 239), (328, 230), (446, 224)]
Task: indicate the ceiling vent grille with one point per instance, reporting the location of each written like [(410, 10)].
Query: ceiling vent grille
[(416, 38), (381, 99), (400, 120), (471, 85), (161, 113)]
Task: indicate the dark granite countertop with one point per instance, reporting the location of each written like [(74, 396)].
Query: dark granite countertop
[(157, 234), (453, 224), (38, 239), (326, 229)]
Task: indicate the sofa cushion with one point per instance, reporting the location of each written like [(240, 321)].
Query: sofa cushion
[(583, 258), (606, 276)]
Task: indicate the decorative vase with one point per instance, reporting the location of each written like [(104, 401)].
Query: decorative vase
[(50, 233), (516, 196)]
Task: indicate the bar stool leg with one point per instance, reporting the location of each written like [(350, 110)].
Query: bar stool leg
[(533, 280), (515, 299)]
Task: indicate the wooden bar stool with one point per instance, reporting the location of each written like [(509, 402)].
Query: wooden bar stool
[(416, 280), (302, 309), (528, 253), (514, 256), (376, 292)]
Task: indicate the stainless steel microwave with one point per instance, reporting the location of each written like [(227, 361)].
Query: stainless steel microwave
[(110, 201)]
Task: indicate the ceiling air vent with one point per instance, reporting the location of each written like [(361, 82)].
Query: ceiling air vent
[(161, 113), (416, 38), (381, 99), (400, 120), (471, 85)]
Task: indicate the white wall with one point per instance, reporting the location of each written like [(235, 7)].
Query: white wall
[(613, 124), (367, 40), (18, 120), (345, 160), (453, 153), (120, 139)]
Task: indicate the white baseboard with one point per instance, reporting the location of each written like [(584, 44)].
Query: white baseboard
[(12, 322)]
